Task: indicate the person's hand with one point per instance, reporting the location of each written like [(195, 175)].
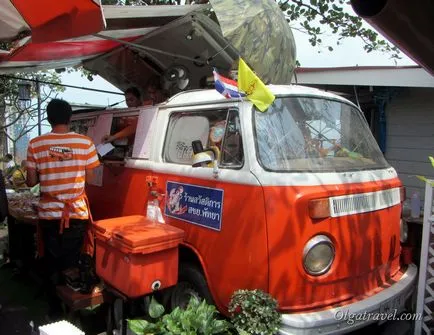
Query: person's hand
[(107, 139)]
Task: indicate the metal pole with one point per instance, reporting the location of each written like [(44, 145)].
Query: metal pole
[(425, 267), (38, 94), (63, 85)]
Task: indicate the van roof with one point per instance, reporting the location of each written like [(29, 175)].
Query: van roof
[(211, 95)]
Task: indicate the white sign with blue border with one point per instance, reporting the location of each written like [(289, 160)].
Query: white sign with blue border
[(199, 205)]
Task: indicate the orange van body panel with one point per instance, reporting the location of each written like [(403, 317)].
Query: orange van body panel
[(264, 230), (367, 246), (234, 258)]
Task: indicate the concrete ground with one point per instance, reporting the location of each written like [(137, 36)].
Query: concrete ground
[(22, 302), (20, 297)]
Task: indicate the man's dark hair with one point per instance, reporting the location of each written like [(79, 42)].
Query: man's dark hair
[(134, 91), (59, 112), (9, 156)]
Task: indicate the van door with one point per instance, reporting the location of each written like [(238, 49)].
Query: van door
[(223, 216)]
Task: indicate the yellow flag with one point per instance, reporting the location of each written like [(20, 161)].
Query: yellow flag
[(254, 88)]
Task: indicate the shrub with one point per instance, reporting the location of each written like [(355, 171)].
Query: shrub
[(254, 312), (197, 318)]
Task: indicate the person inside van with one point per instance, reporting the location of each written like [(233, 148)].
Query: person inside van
[(155, 95), (10, 168), (133, 98), (216, 133), (19, 176)]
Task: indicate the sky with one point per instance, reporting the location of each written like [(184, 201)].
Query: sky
[(349, 53)]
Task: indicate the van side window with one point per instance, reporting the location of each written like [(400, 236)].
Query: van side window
[(124, 128), (217, 128), (81, 126)]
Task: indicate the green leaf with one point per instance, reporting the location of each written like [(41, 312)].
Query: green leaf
[(242, 332), (139, 327), (155, 309), (431, 160), (425, 180)]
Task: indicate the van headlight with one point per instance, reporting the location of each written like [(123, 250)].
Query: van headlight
[(403, 231), (318, 255)]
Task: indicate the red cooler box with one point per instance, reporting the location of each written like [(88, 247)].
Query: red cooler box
[(134, 254)]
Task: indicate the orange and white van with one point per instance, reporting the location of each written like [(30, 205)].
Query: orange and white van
[(297, 201)]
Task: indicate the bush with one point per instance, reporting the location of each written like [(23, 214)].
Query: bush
[(254, 312), (197, 318)]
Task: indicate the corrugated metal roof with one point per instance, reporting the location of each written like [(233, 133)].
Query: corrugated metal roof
[(391, 76)]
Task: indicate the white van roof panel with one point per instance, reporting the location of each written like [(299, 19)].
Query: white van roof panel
[(211, 95)]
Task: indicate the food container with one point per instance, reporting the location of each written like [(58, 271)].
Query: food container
[(137, 256), (61, 327)]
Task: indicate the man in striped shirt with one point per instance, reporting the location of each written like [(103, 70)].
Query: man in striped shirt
[(61, 161)]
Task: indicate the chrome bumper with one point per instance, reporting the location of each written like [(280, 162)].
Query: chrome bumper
[(350, 317)]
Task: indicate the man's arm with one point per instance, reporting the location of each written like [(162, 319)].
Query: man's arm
[(32, 177), (91, 164), (125, 132)]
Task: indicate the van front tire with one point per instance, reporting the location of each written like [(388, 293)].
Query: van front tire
[(191, 282)]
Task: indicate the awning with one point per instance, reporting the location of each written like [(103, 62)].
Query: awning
[(49, 20), (193, 43), (178, 45), (407, 24), (123, 24)]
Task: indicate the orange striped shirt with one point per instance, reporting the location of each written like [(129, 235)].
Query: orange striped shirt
[(61, 161)]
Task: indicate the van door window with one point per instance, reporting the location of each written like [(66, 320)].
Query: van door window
[(232, 155), (218, 128)]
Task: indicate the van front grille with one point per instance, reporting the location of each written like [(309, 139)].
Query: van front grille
[(364, 202)]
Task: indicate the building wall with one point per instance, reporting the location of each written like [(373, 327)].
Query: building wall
[(410, 136), (14, 132)]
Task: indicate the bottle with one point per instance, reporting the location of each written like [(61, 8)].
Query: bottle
[(153, 211), (406, 209), (415, 205)]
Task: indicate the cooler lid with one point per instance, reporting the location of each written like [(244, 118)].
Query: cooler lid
[(147, 235), (108, 225), (136, 232)]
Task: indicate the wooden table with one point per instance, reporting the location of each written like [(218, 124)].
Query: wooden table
[(21, 237), (76, 300)]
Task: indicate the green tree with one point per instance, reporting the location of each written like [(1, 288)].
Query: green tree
[(318, 17), (315, 18), (13, 110)]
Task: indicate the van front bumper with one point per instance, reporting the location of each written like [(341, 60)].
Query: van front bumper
[(380, 307)]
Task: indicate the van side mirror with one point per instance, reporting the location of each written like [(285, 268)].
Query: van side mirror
[(203, 157)]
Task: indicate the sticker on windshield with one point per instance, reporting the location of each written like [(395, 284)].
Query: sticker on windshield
[(202, 206)]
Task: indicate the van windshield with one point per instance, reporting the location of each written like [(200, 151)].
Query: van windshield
[(314, 134)]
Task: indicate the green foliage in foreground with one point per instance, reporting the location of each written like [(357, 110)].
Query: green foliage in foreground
[(197, 318)]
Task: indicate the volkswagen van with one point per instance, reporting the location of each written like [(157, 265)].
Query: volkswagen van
[(297, 201)]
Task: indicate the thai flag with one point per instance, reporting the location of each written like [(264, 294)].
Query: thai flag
[(226, 86)]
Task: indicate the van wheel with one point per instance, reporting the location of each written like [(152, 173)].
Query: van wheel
[(191, 282)]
